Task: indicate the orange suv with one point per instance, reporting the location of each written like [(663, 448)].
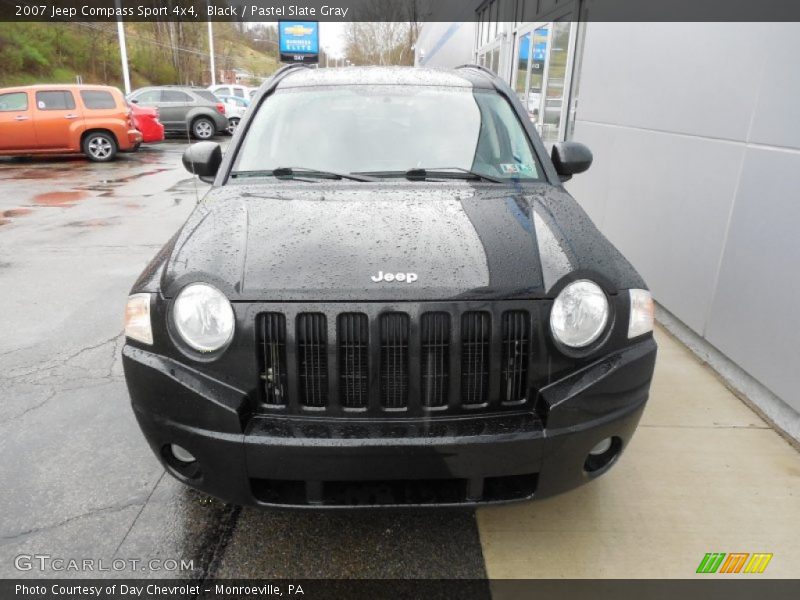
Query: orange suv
[(66, 119)]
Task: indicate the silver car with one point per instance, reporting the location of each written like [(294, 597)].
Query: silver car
[(185, 108)]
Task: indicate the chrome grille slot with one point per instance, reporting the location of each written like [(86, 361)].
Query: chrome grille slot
[(312, 359), (353, 338), (475, 338), (516, 355), (435, 358), (394, 360)]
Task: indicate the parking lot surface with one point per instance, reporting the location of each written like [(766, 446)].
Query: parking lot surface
[(79, 480), (703, 474)]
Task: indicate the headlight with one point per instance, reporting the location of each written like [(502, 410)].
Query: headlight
[(203, 317), (137, 318), (580, 314), (642, 313)]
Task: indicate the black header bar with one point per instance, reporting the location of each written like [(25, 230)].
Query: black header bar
[(396, 10)]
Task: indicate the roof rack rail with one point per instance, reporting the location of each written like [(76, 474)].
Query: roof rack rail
[(481, 68), (289, 67)]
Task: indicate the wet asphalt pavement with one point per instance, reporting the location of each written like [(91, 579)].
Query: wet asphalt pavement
[(78, 479)]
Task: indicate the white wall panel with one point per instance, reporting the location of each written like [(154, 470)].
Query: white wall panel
[(754, 318), (695, 129), (695, 78), (776, 121), (664, 203)]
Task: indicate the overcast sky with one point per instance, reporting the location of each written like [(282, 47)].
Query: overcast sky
[(331, 38)]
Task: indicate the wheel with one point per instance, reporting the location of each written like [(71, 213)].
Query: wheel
[(233, 123), (99, 146), (203, 128)]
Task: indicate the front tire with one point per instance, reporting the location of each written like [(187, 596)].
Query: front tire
[(100, 147), (233, 123), (203, 128)]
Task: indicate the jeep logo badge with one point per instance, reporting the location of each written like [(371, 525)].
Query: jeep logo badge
[(400, 277)]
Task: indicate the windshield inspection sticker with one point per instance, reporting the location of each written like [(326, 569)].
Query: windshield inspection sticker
[(509, 168)]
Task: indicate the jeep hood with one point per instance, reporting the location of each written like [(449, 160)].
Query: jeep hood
[(325, 242)]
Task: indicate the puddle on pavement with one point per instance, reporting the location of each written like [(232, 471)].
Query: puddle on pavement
[(17, 212), (64, 199), (89, 223)]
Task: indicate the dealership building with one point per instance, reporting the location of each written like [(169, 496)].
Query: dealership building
[(695, 131)]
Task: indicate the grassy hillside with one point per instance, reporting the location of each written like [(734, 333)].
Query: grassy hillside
[(159, 53)]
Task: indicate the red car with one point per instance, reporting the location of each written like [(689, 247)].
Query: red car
[(145, 119)]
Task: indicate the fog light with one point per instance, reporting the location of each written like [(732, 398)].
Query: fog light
[(601, 448), (181, 453), (602, 455)]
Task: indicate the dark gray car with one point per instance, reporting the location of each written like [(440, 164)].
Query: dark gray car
[(185, 108)]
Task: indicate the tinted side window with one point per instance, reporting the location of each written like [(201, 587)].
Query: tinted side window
[(148, 96), (56, 100), (224, 91), (13, 101), (97, 99), (238, 92), (174, 96), (206, 95)]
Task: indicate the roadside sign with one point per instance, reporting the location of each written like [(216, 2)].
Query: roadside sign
[(298, 41)]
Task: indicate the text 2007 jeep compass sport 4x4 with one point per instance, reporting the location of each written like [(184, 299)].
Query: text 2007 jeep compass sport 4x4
[(388, 298)]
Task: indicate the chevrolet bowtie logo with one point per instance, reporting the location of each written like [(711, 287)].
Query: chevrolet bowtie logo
[(298, 30)]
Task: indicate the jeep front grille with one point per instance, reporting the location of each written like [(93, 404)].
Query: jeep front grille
[(272, 341), (396, 360), (476, 331), (435, 358), (515, 355), (312, 359), (353, 333)]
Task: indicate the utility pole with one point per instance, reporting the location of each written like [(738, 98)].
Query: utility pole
[(211, 53), (123, 52)]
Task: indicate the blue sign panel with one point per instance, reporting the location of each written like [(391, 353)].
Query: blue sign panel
[(539, 48), (539, 51), (298, 37)]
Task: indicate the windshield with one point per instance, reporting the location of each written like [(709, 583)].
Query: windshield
[(388, 130)]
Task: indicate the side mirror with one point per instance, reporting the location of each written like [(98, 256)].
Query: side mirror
[(570, 158), (203, 159), (134, 101)]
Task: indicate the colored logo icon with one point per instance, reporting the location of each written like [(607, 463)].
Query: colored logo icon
[(734, 562)]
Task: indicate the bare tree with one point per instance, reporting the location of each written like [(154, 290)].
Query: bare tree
[(386, 32)]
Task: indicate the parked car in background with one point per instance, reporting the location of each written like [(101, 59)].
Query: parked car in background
[(66, 119), (231, 89), (185, 108), (235, 108), (145, 119)]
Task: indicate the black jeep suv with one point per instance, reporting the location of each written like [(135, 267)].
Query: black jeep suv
[(388, 298)]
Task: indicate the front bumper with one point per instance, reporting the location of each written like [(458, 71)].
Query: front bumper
[(299, 462)]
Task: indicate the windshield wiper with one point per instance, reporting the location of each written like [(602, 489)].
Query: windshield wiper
[(421, 174), (290, 172)]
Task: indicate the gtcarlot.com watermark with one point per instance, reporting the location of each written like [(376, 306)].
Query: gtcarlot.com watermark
[(48, 562)]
